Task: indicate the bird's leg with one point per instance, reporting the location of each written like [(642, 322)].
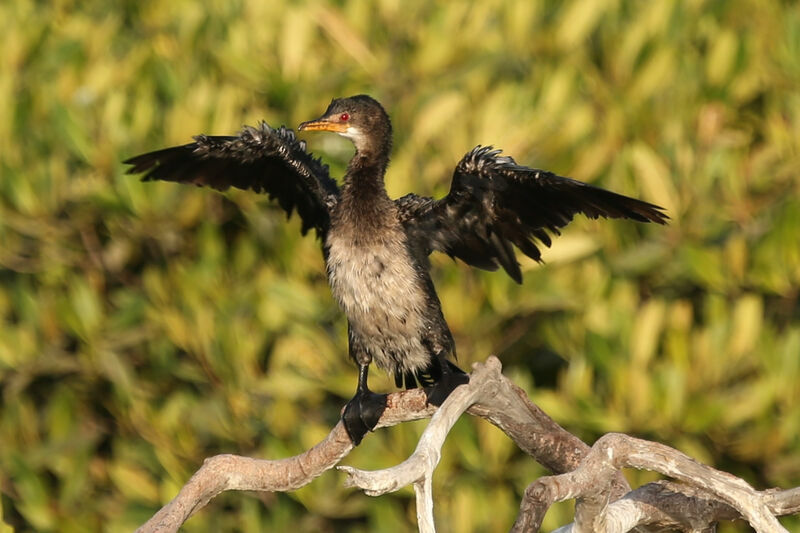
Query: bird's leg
[(362, 412), (452, 377)]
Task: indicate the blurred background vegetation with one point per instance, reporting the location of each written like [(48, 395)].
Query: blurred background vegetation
[(144, 327)]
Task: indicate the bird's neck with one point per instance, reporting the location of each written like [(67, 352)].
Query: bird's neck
[(364, 177), (364, 198), (365, 174)]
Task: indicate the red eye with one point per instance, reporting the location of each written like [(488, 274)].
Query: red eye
[(344, 117)]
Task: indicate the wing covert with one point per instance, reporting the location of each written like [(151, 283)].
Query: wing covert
[(261, 159), (495, 204)]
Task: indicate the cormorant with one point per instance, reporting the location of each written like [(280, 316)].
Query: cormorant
[(376, 249)]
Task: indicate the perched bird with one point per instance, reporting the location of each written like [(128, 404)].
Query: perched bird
[(376, 249)]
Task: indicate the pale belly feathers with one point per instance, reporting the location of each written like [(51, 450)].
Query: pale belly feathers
[(380, 292)]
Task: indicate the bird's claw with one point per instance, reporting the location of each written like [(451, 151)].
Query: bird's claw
[(361, 414), (439, 392)]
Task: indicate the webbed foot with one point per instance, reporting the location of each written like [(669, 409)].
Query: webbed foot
[(452, 377), (361, 414)]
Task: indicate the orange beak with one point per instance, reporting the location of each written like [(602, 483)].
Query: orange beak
[(323, 125)]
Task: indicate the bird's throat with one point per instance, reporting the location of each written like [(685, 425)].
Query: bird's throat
[(364, 185)]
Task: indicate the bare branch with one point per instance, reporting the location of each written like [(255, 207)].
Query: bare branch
[(783, 502), (428, 452), (699, 497), (492, 395), (613, 452), (666, 504), (232, 472), (418, 469), (424, 493)]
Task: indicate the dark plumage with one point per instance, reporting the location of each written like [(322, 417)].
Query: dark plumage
[(376, 249)]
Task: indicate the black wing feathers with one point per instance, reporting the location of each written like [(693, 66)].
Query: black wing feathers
[(494, 203), (262, 159)]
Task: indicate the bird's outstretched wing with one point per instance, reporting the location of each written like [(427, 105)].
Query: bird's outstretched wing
[(495, 203), (262, 159)]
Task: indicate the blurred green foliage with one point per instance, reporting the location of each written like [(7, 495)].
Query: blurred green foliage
[(144, 327)]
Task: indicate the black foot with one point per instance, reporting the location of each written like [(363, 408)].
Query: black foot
[(362, 413), (450, 379)]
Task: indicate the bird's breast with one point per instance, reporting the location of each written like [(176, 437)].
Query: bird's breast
[(375, 277), (378, 287)]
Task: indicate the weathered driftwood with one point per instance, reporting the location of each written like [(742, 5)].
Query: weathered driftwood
[(697, 498)]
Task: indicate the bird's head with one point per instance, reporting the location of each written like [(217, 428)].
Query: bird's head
[(359, 118)]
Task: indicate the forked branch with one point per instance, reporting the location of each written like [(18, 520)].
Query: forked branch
[(699, 497)]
